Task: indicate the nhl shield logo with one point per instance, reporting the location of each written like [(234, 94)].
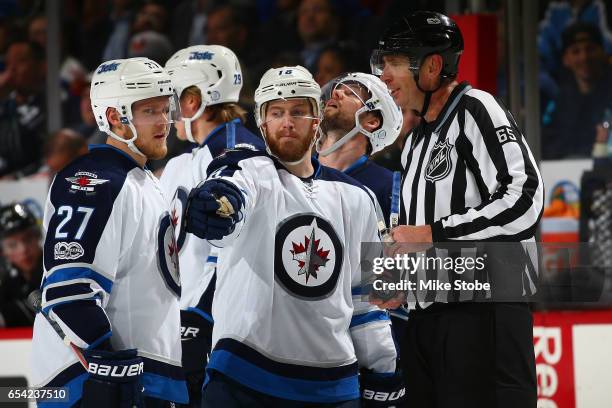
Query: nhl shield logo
[(440, 164), (308, 256)]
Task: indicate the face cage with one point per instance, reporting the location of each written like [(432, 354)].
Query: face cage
[(348, 83)]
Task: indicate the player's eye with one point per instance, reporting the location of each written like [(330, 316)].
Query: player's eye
[(298, 112)]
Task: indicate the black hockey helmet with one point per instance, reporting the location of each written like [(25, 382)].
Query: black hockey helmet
[(15, 217), (417, 36)]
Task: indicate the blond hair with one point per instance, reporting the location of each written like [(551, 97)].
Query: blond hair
[(223, 112)]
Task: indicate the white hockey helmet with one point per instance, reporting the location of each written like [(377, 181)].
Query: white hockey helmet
[(286, 83), (119, 83), (378, 99), (214, 69)]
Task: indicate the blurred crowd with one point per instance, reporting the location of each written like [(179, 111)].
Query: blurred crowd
[(326, 36)]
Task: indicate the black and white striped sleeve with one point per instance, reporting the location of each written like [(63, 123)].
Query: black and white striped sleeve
[(503, 166)]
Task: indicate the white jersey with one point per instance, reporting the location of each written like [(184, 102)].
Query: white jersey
[(289, 321), (197, 257), (110, 274)]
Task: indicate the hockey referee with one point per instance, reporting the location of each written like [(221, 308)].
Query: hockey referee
[(468, 176)]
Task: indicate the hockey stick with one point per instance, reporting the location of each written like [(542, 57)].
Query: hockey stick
[(35, 301)]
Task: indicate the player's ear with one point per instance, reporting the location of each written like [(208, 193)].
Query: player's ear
[(315, 124), (113, 118), (370, 122)]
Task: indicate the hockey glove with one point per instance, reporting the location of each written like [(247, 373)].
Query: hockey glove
[(213, 209), (196, 338), (115, 379), (381, 391)]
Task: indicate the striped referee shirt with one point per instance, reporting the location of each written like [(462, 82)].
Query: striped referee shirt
[(471, 176)]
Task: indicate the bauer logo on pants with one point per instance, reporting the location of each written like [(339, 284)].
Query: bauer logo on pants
[(308, 256)]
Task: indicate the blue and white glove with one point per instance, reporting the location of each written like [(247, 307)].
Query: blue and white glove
[(204, 215), (115, 379), (381, 391)]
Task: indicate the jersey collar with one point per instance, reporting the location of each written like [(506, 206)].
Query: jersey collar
[(357, 164), (107, 146), (218, 129), (449, 106)]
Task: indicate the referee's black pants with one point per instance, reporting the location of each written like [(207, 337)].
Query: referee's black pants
[(470, 355)]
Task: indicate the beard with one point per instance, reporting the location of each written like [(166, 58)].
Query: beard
[(289, 149), (336, 121), (153, 149)]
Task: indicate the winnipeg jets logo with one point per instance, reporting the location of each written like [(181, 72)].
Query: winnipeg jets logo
[(308, 256), (85, 181), (176, 215), (440, 164), (168, 261)]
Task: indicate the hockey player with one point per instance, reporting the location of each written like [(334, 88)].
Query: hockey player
[(288, 331), (208, 80), (111, 281), (360, 118)]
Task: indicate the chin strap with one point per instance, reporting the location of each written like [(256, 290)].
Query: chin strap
[(187, 122), (427, 94), (129, 142), (348, 136)]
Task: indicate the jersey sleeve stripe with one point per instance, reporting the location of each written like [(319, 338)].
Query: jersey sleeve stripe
[(72, 273), (518, 185), (365, 318)]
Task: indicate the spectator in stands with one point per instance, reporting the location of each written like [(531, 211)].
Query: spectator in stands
[(152, 16), (72, 72), (152, 45), (318, 27), (570, 121), (561, 14), (71, 69), (87, 125), (20, 244), (282, 27), (189, 21), (121, 18), (23, 114), (228, 26), (63, 147), (336, 59)]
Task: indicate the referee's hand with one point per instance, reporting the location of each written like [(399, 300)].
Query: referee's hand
[(398, 300), (409, 239)]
